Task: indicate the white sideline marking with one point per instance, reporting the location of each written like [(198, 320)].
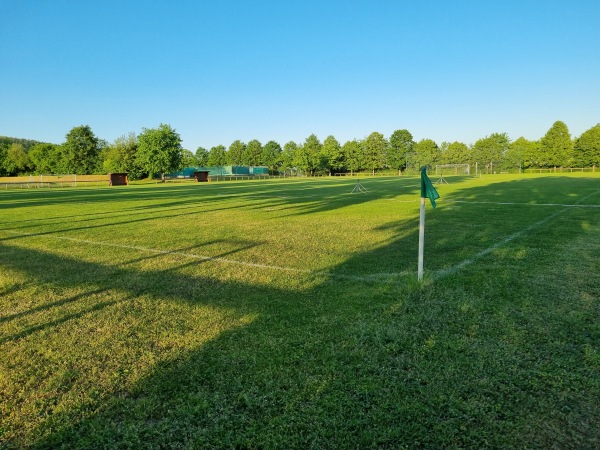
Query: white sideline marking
[(443, 272), (564, 205), (368, 277)]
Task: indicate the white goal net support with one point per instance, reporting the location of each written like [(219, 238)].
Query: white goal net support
[(453, 169)]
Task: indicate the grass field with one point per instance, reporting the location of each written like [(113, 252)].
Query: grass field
[(286, 314)]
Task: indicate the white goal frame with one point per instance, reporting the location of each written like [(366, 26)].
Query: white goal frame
[(453, 169)]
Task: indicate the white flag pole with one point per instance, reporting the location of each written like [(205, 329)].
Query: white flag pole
[(421, 239)]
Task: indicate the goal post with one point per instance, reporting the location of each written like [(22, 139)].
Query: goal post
[(453, 169)]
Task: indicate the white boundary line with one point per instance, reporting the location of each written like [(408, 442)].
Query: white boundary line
[(444, 272), (368, 277), (563, 205)]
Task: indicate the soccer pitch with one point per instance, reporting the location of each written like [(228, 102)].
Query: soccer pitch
[(287, 314)]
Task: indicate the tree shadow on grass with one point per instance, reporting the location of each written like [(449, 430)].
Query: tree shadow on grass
[(330, 363)]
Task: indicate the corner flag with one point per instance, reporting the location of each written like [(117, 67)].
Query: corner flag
[(427, 189)]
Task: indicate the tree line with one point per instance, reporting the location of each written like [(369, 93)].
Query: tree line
[(158, 151)]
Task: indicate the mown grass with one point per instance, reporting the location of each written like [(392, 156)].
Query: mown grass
[(286, 314)]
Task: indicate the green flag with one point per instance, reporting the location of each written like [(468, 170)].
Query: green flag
[(427, 189)]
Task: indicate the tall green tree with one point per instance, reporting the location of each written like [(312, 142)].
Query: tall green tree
[(375, 149), (81, 151), (456, 153), (46, 158), (308, 155), (528, 152), (217, 156), (235, 154), (401, 143), (426, 153), (353, 151), (288, 156), (159, 150), (489, 151), (201, 157), (121, 156), (17, 161), (556, 147), (271, 156), (333, 155), (188, 159), (252, 155), (587, 148)]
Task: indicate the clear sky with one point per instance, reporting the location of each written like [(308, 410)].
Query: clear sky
[(222, 70)]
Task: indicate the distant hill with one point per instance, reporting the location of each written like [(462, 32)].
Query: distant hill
[(6, 142)]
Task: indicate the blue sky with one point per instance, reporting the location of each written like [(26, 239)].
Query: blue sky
[(217, 71)]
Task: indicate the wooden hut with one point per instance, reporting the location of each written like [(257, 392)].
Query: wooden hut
[(118, 179), (201, 175)]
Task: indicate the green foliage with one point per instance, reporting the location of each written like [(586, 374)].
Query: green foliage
[(202, 157), (81, 151), (121, 157), (159, 150), (46, 158), (490, 150), (235, 154), (188, 159), (354, 154), (308, 156), (556, 147), (17, 161), (217, 156), (335, 160), (426, 153), (401, 143), (587, 148), (288, 155), (528, 152), (252, 155), (375, 148), (456, 153), (271, 156)]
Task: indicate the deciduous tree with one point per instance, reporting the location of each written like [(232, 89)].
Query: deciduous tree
[(375, 149), (354, 155), (44, 158), (587, 148), (159, 150), (401, 143), (308, 156), (17, 161), (217, 156), (271, 156), (426, 153), (556, 147), (288, 155), (201, 157), (81, 151), (490, 150), (253, 153), (121, 156), (456, 153), (187, 159), (333, 155), (235, 155)]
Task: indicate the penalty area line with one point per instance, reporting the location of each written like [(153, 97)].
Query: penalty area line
[(444, 272)]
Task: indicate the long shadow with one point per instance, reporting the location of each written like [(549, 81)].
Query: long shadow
[(318, 193), (354, 364)]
